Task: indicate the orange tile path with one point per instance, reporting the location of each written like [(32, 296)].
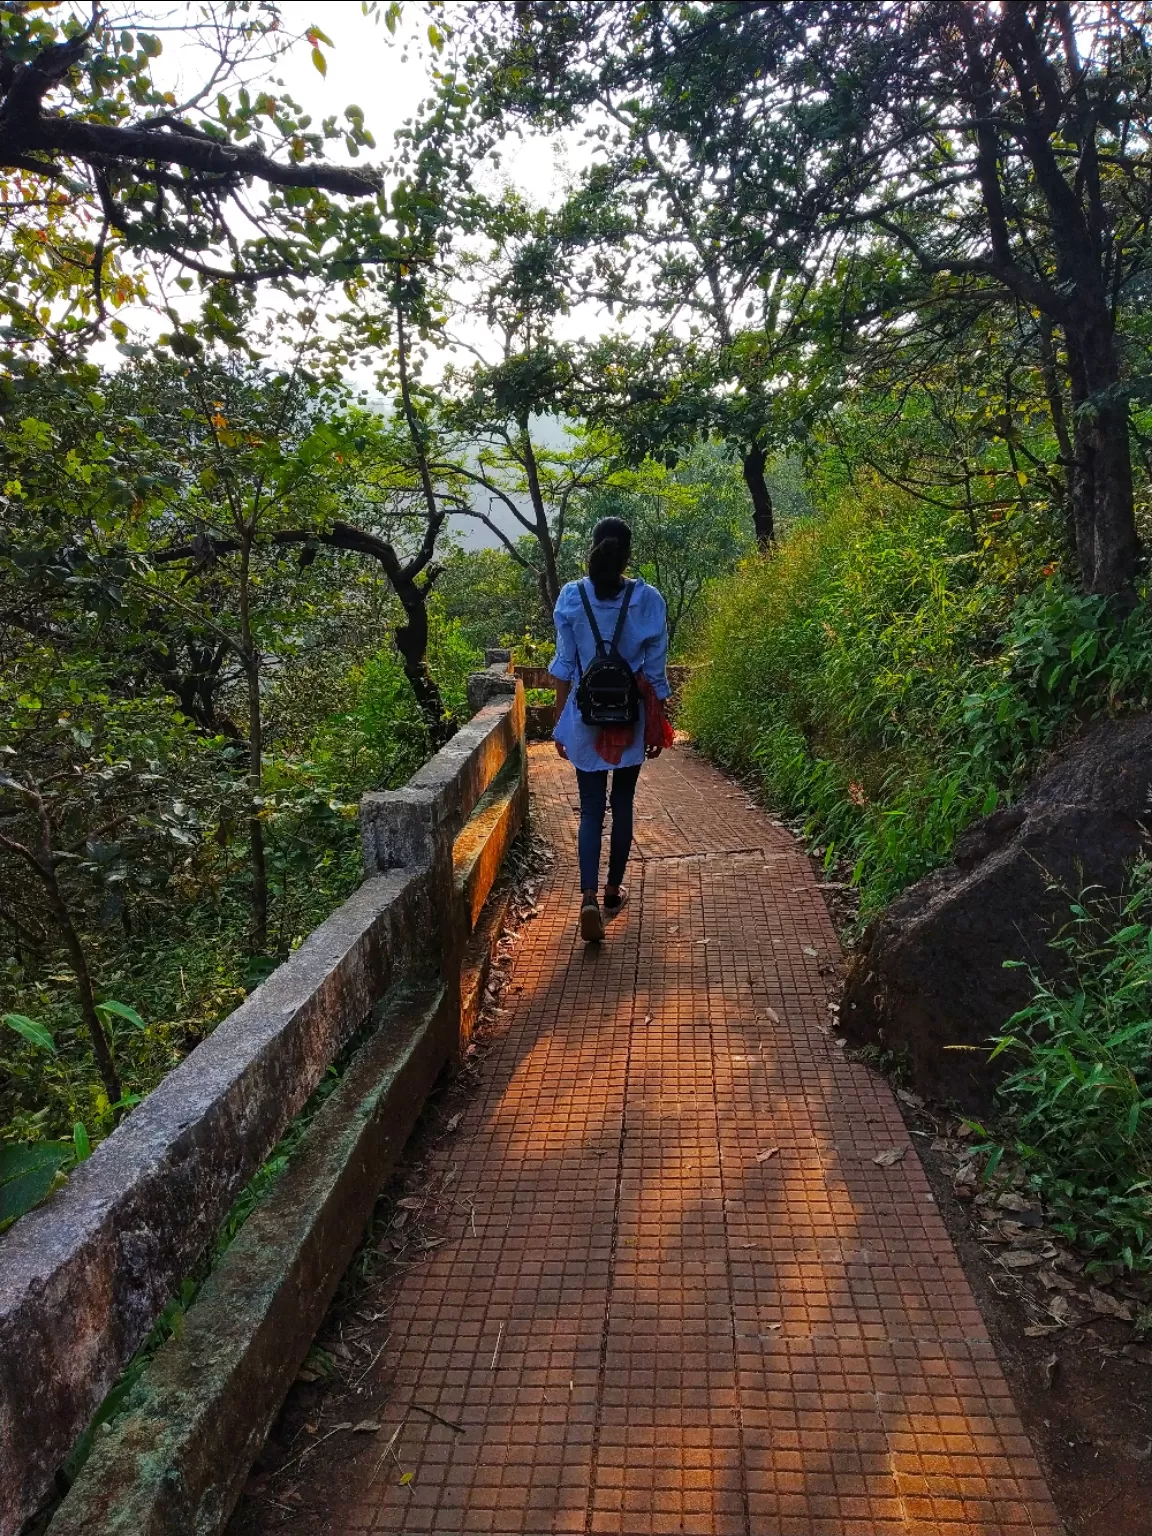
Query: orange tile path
[(679, 1295)]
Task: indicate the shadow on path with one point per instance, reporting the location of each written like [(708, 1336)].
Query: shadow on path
[(684, 1298)]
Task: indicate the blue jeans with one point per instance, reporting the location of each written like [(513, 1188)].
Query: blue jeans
[(593, 798)]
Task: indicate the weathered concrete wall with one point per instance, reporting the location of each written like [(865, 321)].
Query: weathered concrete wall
[(480, 849), (82, 1280), (176, 1460), (410, 827)]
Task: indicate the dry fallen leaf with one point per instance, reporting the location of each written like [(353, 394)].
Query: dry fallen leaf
[(406, 1479), (808, 950), (411, 1203), (771, 1015), (1019, 1259), (1051, 1281), (762, 1157), (1061, 1309), (454, 1122), (1041, 1330), (892, 1156), (366, 1427), (913, 1100), (1109, 1306)]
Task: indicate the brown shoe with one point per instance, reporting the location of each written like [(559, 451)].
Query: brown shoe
[(591, 923)]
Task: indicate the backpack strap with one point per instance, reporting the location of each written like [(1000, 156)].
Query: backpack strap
[(629, 588), (601, 650)]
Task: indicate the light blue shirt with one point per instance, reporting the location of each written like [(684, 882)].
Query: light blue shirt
[(643, 645)]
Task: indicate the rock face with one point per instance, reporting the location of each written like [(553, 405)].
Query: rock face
[(930, 972)]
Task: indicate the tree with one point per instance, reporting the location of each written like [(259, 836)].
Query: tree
[(492, 419), (955, 153), (265, 465), (91, 804), (104, 170), (654, 230)]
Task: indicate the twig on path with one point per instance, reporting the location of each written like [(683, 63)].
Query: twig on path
[(308, 1449), (499, 1341), (448, 1424), (372, 1362), (389, 1450)]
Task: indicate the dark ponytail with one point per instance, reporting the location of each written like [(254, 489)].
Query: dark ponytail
[(608, 560)]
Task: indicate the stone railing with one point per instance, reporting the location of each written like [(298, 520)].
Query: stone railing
[(398, 971)]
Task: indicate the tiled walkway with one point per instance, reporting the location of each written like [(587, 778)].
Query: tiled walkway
[(680, 1295)]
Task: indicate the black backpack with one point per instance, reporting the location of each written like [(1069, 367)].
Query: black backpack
[(607, 693)]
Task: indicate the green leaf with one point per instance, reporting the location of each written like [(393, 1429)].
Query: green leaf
[(27, 1173), (33, 1032), (319, 61), (80, 1142), (122, 1011)]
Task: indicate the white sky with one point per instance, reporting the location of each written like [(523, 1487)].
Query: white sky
[(364, 66), (367, 67)]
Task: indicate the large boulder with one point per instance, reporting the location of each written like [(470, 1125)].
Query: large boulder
[(930, 973)]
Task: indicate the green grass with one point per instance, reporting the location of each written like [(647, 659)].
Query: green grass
[(1077, 1103), (886, 684)]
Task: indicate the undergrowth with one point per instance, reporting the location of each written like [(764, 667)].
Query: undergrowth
[(1077, 1104), (888, 684), (185, 964)]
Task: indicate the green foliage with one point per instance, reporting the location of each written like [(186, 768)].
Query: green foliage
[(490, 594), (1078, 1102), (886, 683), (33, 1032), (152, 197), (27, 1173)]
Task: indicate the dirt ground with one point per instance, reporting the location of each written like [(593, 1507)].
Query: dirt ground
[(1083, 1386)]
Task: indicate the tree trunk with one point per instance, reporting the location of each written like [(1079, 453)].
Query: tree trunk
[(258, 931), (412, 642), (762, 520), (109, 1076), (1103, 510), (550, 572), (412, 637), (45, 867), (250, 656)]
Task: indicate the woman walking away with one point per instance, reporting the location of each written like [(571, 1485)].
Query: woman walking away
[(612, 643)]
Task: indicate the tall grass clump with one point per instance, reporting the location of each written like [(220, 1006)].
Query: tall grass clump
[(1077, 1106), (888, 685)]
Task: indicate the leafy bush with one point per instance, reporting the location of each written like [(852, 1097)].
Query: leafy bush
[(1078, 1105), (885, 684), (173, 944)]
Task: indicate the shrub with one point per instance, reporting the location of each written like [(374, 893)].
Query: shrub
[(888, 688), (1078, 1105)]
